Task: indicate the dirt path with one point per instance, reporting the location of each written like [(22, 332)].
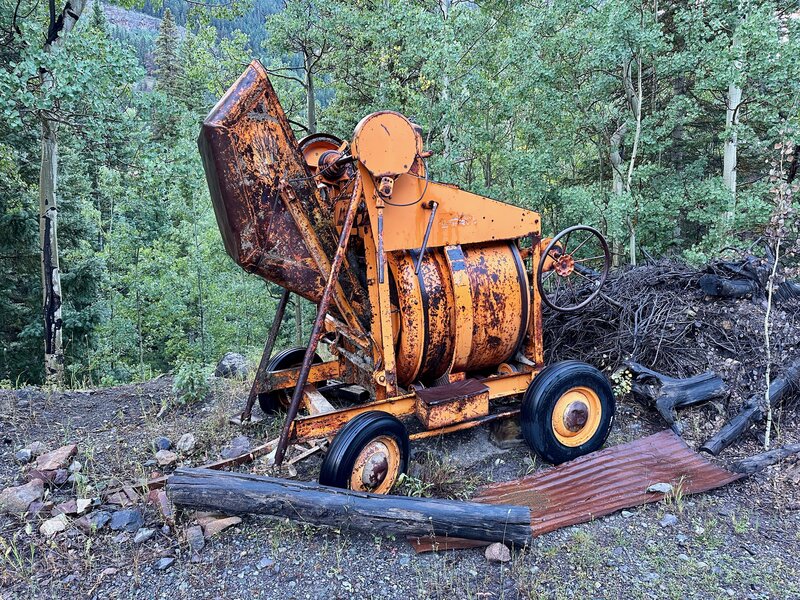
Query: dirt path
[(739, 542)]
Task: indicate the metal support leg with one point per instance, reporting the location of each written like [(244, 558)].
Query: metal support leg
[(322, 311), (259, 378)]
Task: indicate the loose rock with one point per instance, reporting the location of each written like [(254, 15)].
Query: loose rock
[(166, 457), (52, 526), (660, 488), (143, 535), (15, 500), (164, 563), (130, 520), (212, 528), (668, 521), (24, 456), (75, 466), (498, 552), (94, 521), (57, 459), (195, 539), (162, 443), (37, 448), (81, 504), (186, 443), (239, 445), (70, 507), (233, 366)]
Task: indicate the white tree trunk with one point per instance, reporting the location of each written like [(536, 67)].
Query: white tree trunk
[(729, 157), (48, 244), (618, 182), (48, 206)]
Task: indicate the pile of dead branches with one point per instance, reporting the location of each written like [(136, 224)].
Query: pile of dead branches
[(658, 315)]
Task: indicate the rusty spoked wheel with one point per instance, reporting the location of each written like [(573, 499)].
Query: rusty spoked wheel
[(367, 455), (572, 268), (567, 411)]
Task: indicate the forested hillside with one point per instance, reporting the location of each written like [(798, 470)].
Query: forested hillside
[(671, 126)]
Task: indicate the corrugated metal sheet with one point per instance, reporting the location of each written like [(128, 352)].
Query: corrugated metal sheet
[(601, 483)]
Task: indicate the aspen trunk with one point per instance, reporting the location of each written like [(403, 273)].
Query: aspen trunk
[(48, 244), (60, 26), (729, 157)]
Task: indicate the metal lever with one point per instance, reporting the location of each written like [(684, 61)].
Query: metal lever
[(433, 205), (379, 204)]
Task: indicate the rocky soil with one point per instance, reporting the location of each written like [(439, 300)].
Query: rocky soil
[(66, 458)]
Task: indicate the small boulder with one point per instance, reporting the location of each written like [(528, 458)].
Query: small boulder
[(195, 539), (16, 500), (186, 444), (232, 366), (166, 457), (57, 459), (143, 535), (52, 526), (82, 504), (75, 467), (94, 521), (162, 443), (129, 520), (216, 526), (660, 488), (498, 552)]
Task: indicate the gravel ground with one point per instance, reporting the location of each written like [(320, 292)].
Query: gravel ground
[(741, 541)]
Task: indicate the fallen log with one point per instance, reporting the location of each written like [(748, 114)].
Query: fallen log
[(240, 493), (753, 411), (754, 464), (668, 393), (719, 287)]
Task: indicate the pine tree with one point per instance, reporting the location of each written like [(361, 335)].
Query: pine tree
[(97, 18), (169, 71)]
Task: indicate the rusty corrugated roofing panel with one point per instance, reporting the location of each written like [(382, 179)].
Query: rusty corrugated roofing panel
[(599, 484), (607, 481)]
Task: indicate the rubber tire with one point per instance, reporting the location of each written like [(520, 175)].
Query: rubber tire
[(353, 438), (541, 397), (270, 402)]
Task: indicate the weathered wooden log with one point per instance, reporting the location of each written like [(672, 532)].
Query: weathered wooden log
[(241, 493), (719, 287), (788, 292), (668, 393), (753, 464), (753, 411)]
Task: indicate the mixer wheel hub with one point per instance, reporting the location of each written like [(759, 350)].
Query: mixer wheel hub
[(367, 455), (567, 411)]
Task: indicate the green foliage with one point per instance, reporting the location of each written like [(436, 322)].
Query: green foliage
[(515, 103), (190, 384)]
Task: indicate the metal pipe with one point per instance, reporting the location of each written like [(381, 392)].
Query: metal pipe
[(433, 206), (273, 335), (316, 330)]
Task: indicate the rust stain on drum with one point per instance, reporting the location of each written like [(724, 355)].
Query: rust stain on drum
[(599, 484)]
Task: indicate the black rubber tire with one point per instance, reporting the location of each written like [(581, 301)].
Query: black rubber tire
[(353, 438), (541, 397), (272, 402)]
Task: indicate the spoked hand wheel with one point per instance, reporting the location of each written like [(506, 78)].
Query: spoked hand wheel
[(573, 268)]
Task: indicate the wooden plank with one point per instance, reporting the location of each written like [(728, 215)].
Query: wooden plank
[(316, 403)]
